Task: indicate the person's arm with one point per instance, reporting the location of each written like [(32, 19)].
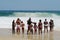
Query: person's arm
[(53, 24), (23, 24), (38, 25), (41, 25), (15, 24)]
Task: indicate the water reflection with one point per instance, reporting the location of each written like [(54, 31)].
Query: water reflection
[(51, 36), (44, 36)]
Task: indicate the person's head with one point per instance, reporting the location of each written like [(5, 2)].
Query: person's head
[(29, 18), (13, 21), (50, 20), (34, 23), (18, 19), (40, 20), (45, 19), (21, 21)]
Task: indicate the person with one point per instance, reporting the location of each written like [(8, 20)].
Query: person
[(35, 28), (51, 25), (45, 25), (18, 22), (40, 27), (13, 26), (29, 24), (31, 28), (22, 25)]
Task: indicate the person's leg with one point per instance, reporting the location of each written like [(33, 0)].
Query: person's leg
[(35, 30), (47, 29), (18, 30), (13, 31), (22, 30), (39, 30), (44, 29), (50, 28), (28, 30), (31, 31)]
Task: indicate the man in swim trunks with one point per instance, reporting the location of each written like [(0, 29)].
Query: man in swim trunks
[(45, 25)]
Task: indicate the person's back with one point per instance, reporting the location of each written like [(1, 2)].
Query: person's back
[(51, 24), (29, 22), (40, 26), (13, 26)]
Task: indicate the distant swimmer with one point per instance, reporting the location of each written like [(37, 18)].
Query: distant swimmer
[(22, 25), (40, 27), (51, 25), (18, 22), (45, 25), (35, 28), (13, 26)]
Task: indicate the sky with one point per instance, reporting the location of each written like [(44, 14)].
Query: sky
[(29, 4)]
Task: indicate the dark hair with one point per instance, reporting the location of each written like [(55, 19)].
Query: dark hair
[(18, 19), (40, 20), (21, 21), (13, 21), (35, 23)]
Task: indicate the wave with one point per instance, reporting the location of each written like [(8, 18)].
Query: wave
[(30, 14)]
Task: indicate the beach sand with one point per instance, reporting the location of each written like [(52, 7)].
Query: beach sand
[(6, 34)]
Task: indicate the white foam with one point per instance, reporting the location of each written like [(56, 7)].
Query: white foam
[(5, 22)]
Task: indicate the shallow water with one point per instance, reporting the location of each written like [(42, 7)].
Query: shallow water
[(6, 34)]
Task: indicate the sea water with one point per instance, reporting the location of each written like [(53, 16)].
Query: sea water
[(7, 17)]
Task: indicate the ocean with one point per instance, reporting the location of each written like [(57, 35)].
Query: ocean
[(6, 17)]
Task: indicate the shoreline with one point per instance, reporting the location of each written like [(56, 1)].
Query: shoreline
[(6, 34)]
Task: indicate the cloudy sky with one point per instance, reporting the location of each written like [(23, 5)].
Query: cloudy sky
[(29, 4)]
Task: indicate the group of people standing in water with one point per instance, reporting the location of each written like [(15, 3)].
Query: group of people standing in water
[(17, 24), (20, 23)]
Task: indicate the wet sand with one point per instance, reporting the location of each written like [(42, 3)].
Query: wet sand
[(6, 34)]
